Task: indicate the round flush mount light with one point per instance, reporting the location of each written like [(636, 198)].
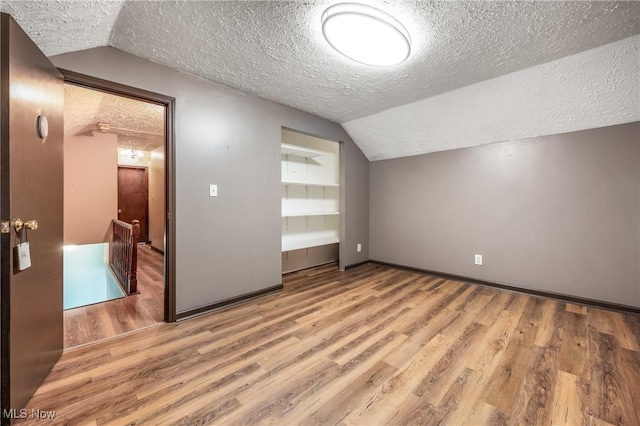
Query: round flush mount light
[(366, 34)]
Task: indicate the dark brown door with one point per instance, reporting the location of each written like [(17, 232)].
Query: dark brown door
[(133, 198), (31, 187)]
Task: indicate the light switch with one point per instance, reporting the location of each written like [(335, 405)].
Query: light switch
[(213, 190)]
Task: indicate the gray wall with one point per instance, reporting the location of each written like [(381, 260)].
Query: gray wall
[(230, 245), (556, 213)]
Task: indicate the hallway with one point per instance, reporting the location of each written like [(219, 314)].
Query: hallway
[(103, 320)]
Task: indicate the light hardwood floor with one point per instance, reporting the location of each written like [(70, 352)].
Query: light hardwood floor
[(103, 320), (373, 345)]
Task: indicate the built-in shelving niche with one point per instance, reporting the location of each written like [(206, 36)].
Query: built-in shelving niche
[(310, 201)]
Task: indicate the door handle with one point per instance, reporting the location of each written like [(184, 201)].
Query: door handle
[(18, 224), (119, 211)]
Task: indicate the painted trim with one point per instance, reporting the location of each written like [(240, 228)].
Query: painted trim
[(538, 293), (228, 302), (169, 103), (107, 86), (170, 208)]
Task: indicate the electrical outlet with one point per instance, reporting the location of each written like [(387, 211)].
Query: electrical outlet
[(359, 247), (213, 190), (478, 259)]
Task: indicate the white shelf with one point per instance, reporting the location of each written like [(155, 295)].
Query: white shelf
[(325, 185), (299, 151), (298, 214), (301, 244), (310, 195)]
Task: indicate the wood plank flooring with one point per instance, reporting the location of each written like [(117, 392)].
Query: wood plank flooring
[(103, 320), (374, 345)]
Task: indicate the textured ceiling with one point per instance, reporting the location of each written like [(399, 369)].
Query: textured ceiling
[(275, 49), (596, 88), (138, 125), (63, 26)]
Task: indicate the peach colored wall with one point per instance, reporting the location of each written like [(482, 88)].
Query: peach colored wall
[(90, 187), (156, 198)]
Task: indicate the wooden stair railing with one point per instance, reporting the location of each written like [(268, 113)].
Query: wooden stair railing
[(123, 256)]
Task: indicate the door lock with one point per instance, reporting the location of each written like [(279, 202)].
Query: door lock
[(31, 225), (18, 225)]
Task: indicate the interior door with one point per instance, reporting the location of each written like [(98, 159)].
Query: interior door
[(133, 198), (31, 188)]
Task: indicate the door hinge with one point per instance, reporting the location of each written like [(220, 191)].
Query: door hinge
[(5, 227)]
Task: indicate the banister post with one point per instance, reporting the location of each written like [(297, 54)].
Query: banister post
[(133, 287)]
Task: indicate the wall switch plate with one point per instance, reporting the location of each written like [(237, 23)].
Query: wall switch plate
[(478, 259), (359, 247), (213, 190)]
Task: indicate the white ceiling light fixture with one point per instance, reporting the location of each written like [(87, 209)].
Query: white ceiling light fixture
[(366, 34)]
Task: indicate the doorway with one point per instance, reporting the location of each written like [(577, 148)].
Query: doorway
[(310, 201), (140, 188)]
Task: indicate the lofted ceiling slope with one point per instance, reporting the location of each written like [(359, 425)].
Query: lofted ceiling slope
[(596, 88), (138, 125), (275, 50), (65, 26)]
